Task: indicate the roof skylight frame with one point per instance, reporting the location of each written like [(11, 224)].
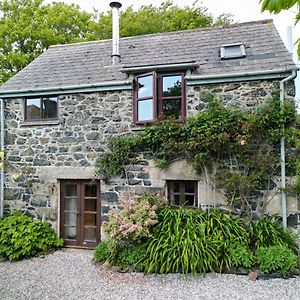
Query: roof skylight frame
[(239, 46)]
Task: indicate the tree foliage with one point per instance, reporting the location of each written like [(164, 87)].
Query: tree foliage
[(167, 17), (28, 27), (276, 6)]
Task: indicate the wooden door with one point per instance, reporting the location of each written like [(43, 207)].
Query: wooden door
[(80, 215)]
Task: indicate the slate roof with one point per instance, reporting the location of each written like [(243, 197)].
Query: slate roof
[(90, 62)]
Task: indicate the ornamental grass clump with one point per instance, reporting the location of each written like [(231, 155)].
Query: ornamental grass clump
[(193, 241), (267, 232)]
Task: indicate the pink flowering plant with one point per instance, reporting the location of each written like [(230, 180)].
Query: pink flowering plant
[(133, 220)]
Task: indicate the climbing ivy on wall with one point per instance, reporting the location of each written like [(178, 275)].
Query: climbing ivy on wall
[(240, 151)]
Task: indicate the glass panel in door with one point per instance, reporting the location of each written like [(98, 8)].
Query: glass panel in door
[(70, 211), (90, 213)]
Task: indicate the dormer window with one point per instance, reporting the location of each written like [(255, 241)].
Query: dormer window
[(159, 95), (40, 108), (233, 51)]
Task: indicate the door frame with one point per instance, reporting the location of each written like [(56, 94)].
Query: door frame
[(79, 242)]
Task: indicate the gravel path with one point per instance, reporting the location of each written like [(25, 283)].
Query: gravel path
[(72, 275)]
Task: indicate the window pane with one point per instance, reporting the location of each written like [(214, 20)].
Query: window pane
[(70, 190), (70, 233), (90, 204), (33, 109), (70, 219), (90, 220), (145, 86), (175, 187), (71, 204), (50, 108), (233, 51), (90, 234), (176, 200), (90, 190), (172, 85), (172, 108), (145, 110), (189, 200), (190, 187)]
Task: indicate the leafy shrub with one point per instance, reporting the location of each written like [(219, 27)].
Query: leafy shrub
[(266, 232), (276, 259), (132, 222), (22, 237), (126, 256), (240, 256), (134, 256), (103, 251)]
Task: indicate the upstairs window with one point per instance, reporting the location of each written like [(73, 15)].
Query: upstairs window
[(232, 51), (159, 95), (183, 193), (41, 108)]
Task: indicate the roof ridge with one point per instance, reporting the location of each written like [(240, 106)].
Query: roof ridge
[(79, 43), (264, 21)]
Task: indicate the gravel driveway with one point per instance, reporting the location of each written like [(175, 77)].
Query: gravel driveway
[(72, 275)]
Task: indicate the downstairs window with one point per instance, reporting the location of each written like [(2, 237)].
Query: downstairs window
[(183, 193)]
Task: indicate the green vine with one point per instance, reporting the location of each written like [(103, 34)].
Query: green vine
[(240, 149)]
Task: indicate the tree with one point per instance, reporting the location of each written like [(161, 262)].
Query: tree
[(27, 28), (167, 17), (276, 6)]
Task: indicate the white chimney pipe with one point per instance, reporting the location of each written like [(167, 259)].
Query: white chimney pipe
[(289, 39), (116, 31)]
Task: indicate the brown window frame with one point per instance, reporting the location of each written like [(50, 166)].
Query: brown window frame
[(41, 98), (182, 193), (137, 99), (158, 96)]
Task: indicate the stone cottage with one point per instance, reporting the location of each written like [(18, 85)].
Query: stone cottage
[(62, 109)]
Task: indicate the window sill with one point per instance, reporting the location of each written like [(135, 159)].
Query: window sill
[(40, 123), (138, 128), (184, 207)]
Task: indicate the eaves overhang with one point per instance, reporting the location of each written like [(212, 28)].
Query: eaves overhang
[(87, 88), (195, 79)]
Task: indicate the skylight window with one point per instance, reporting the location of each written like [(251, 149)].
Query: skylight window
[(233, 51)]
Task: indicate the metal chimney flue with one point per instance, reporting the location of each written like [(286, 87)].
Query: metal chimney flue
[(116, 31)]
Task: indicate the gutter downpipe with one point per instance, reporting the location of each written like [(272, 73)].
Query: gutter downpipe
[(2, 149), (282, 151)]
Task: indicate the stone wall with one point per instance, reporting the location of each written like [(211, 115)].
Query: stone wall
[(243, 95), (45, 153), (66, 150)]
